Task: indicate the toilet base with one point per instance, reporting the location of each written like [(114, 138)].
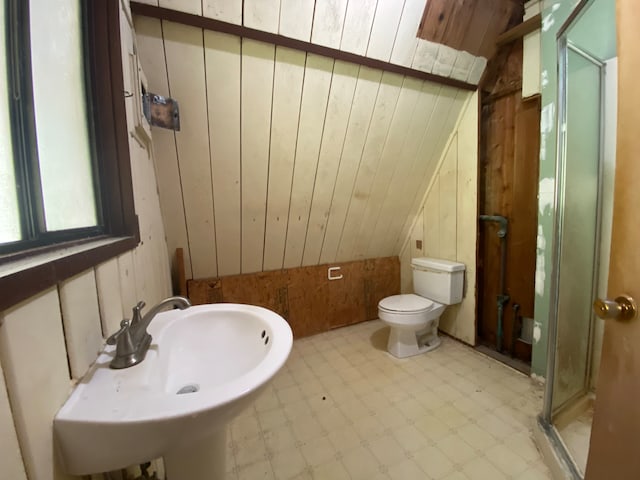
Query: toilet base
[(405, 343)]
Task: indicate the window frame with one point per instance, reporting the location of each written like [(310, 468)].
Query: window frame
[(112, 163)]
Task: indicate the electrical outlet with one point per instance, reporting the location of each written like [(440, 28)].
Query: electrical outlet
[(419, 244)]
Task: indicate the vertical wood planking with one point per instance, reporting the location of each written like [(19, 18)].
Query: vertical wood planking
[(357, 26), (328, 21), (127, 276), (256, 94), (445, 114), (370, 158), (384, 29), (109, 299), (296, 19), (262, 14), (315, 94), (364, 101), (12, 462), (406, 42), (81, 320), (185, 64), (341, 96), (447, 179), (407, 160), (431, 221), (35, 366), (222, 61), (287, 93), (189, 6), (225, 10), (151, 53), (390, 161)]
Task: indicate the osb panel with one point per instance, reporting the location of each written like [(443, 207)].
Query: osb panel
[(305, 297)]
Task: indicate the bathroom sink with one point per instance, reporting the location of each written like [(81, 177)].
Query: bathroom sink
[(205, 364)]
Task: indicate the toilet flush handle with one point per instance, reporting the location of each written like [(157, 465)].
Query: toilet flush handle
[(330, 272)]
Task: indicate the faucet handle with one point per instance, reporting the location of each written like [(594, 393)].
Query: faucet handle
[(124, 326), (137, 316)]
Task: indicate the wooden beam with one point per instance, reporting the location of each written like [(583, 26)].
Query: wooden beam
[(279, 40), (530, 25)]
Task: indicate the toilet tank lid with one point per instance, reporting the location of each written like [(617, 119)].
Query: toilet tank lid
[(438, 264)]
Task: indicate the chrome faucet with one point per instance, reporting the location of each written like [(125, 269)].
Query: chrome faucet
[(132, 340)]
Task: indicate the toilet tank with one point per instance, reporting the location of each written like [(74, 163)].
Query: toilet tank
[(438, 280)]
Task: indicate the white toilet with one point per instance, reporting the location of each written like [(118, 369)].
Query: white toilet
[(414, 318)]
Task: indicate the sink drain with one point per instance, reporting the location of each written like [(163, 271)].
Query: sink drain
[(191, 388)]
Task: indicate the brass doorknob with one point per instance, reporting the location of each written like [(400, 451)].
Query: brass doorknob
[(622, 308)]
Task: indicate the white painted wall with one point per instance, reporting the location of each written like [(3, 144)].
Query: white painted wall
[(381, 29), (48, 342), (447, 220), (284, 158)]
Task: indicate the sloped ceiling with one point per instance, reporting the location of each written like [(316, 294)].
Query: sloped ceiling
[(286, 158), (469, 25)]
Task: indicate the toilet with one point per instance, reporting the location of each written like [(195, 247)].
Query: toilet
[(414, 318)]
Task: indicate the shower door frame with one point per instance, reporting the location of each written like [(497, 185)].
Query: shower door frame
[(545, 419)]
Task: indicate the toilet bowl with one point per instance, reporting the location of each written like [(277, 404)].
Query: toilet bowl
[(414, 324), (414, 318)]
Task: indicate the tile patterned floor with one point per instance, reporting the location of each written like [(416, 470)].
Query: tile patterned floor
[(343, 408)]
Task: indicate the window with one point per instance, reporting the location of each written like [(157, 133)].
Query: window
[(49, 189), (65, 173)]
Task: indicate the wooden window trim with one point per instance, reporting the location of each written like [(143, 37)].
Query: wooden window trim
[(111, 147)]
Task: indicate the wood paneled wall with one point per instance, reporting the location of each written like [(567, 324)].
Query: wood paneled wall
[(385, 30), (287, 159), (445, 225), (305, 296)]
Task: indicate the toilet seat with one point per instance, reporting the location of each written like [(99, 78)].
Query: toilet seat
[(406, 304)]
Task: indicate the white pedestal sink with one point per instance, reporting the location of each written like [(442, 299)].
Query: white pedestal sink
[(205, 365)]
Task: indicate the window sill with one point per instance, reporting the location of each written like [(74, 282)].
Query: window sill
[(26, 277)]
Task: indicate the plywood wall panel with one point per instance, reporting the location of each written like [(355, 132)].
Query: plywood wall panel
[(287, 93), (262, 14), (445, 114), (12, 465), (362, 108), (189, 6), (386, 102), (185, 66), (328, 22), (109, 299), (225, 10), (448, 179), (357, 26), (331, 162), (128, 293), (38, 384), (257, 89), (384, 29), (81, 320), (390, 162), (339, 107), (315, 95), (152, 58), (222, 60), (389, 220), (296, 19), (406, 42)]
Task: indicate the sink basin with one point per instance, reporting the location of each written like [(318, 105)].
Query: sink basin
[(205, 365)]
